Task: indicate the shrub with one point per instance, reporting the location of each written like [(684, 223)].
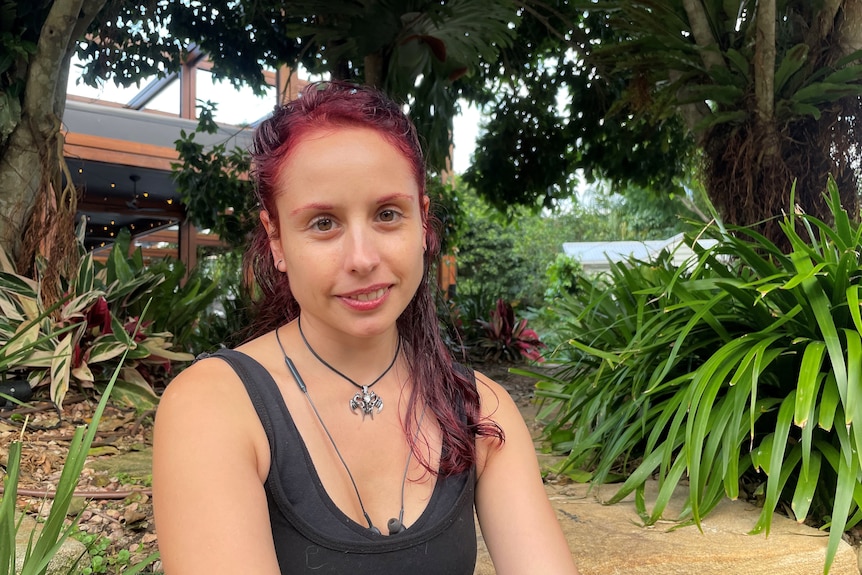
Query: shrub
[(562, 276), (43, 546), (507, 338), (746, 366), (82, 336)]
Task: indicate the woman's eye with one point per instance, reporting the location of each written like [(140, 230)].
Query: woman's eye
[(388, 215), (322, 224)]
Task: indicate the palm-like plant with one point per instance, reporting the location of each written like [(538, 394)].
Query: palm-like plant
[(769, 89), (747, 366)]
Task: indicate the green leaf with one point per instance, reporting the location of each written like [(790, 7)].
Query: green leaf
[(806, 486), (18, 285), (778, 444), (822, 93), (847, 474), (807, 385), (739, 62), (828, 403), (792, 62)]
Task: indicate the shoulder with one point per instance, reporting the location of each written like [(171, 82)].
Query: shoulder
[(206, 409), (495, 401), (209, 391), (497, 407)]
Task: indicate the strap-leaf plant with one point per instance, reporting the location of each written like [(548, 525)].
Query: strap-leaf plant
[(740, 370)]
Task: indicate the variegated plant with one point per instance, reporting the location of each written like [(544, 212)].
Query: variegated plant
[(65, 342)]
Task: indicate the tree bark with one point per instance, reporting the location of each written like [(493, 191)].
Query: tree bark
[(373, 64), (764, 61), (33, 148), (824, 22), (703, 36), (850, 27)]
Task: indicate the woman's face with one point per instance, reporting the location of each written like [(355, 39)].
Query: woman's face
[(350, 230)]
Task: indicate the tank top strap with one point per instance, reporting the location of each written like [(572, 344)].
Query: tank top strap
[(261, 388)]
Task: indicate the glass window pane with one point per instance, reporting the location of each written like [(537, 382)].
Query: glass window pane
[(235, 106)]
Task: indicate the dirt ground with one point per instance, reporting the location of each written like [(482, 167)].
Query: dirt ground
[(114, 492)]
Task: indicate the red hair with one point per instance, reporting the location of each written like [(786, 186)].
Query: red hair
[(450, 394)]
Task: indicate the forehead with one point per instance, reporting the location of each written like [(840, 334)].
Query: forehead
[(333, 155)]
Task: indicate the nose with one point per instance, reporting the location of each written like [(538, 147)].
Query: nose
[(361, 250)]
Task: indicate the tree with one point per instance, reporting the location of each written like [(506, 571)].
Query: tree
[(415, 50), (555, 114), (767, 91)]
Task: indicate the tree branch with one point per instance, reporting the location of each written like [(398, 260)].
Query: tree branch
[(824, 21), (44, 72), (849, 26), (571, 27), (700, 29), (89, 10)]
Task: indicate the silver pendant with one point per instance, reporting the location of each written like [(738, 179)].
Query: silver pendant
[(366, 401)]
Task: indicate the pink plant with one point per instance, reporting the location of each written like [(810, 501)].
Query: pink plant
[(504, 336)]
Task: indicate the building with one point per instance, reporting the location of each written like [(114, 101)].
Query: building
[(596, 257), (120, 155)]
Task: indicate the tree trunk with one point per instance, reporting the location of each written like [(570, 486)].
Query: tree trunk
[(751, 168), (37, 207), (702, 33), (373, 64), (764, 62)]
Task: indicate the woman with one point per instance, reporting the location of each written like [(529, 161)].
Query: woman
[(342, 438)]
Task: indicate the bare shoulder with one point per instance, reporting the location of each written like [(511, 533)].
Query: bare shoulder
[(205, 385), (496, 403), (208, 402), (497, 407), (205, 419), (518, 523)]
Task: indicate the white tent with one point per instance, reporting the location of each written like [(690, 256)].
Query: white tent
[(596, 257)]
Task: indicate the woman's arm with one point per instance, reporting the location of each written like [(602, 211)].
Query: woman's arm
[(517, 520), (210, 458)]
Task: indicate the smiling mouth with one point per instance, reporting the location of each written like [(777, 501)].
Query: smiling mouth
[(369, 296)]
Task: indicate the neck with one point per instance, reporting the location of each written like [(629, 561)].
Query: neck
[(361, 360)]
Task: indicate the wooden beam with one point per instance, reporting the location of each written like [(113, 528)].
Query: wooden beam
[(156, 209), (188, 247), (113, 151)]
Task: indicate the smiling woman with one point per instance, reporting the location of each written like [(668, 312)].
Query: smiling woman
[(356, 444)]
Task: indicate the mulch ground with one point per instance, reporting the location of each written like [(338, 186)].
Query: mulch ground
[(114, 508), (117, 509)]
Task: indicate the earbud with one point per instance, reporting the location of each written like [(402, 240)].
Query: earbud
[(395, 526)]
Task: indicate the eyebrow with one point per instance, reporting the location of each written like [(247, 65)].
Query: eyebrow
[(320, 206)]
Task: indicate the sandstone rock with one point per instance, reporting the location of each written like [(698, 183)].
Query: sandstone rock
[(610, 540), (62, 562)]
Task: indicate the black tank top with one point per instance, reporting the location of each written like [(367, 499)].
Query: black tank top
[(310, 533)]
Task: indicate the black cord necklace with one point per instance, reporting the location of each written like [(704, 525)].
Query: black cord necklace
[(365, 400), (394, 525)]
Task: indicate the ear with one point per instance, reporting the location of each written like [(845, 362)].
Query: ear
[(426, 204), (272, 233)]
